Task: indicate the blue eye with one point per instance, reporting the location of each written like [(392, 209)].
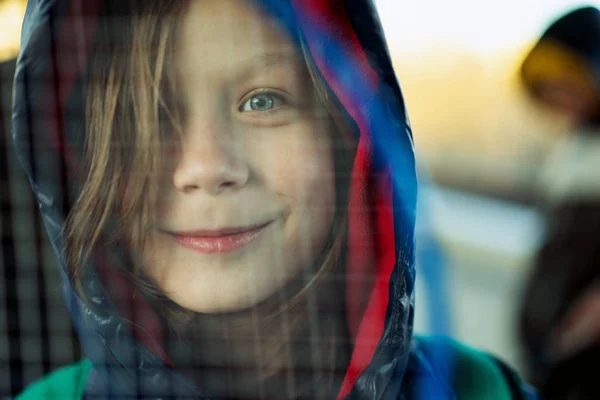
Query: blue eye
[(261, 102)]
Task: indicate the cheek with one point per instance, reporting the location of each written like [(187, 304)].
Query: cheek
[(165, 195), (301, 164), (302, 174)]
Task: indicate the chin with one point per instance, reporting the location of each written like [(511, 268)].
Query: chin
[(236, 298), (231, 306)]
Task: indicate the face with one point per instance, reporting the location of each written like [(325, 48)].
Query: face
[(247, 197), (575, 103)]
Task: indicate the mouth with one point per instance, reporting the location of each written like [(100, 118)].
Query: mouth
[(219, 241)]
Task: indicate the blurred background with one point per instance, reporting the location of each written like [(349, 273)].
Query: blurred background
[(482, 139), (479, 137)]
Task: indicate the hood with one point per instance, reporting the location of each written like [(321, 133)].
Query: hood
[(346, 42), (579, 31)]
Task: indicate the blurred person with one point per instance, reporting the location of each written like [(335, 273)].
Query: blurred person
[(560, 317), (239, 209)]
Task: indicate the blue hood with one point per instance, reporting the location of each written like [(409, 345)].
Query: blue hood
[(346, 42)]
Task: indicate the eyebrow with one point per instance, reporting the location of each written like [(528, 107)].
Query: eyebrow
[(252, 65), (275, 57)]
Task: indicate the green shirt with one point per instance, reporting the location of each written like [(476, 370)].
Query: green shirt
[(64, 383), (477, 376)]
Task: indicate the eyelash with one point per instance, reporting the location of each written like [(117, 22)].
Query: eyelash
[(279, 100)]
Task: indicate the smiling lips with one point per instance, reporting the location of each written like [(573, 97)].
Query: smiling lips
[(219, 241)]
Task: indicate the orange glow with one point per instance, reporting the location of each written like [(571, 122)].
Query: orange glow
[(11, 19)]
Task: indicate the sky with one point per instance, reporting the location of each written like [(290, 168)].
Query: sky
[(479, 25)]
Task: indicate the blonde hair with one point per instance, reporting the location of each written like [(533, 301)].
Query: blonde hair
[(131, 86)]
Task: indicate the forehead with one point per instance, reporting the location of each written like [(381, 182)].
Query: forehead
[(230, 27)]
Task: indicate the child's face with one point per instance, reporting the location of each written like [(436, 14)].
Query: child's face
[(247, 200)]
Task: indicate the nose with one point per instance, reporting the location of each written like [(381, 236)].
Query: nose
[(210, 161)]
